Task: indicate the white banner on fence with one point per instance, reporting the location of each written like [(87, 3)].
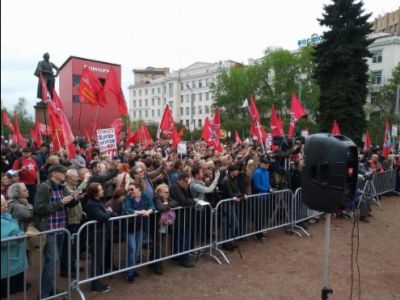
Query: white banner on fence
[(107, 140)]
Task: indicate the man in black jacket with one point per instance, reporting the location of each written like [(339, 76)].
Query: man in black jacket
[(179, 191), (231, 190)]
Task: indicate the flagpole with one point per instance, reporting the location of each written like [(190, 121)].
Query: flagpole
[(45, 121), (95, 118)]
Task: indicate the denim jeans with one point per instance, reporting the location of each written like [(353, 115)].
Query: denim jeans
[(51, 255), (135, 241)]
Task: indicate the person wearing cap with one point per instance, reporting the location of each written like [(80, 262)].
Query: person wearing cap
[(13, 175), (29, 171), (51, 199)]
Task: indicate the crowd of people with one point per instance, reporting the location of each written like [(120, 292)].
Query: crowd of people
[(44, 190)]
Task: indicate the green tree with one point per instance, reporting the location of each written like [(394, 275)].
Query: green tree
[(341, 67), (25, 121)]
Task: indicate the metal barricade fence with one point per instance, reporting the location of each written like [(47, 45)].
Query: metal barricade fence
[(251, 215), (385, 182), (38, 256), (301, 213), (128, 242)]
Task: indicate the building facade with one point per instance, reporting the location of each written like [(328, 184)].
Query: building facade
[(388, 23), (83, 116), (385, 52), (186, 91)]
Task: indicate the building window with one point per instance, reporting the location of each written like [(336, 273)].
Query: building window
[(376, 77), (145, 113), (134, 114), (134, 93), (200, 97), (145, 92), (76, 79), (207, 84), (207, 109), (171, 89), (193, 110), (200, 110), (152, 91), (377, 56), (152, 101), (140, 103), (158, 90), (152, 112), (207, 96), (200, 83), (187, 98), (140, 114), (181, 121), (187, 111), (145, 103), (134, 103), (194, 84), (159, 101), (164, 101), (199, 122), (182, 86), (140, 92), (164, 89), (193, 97), (75, 99), (181, 111), (181, 98), (187, 123)]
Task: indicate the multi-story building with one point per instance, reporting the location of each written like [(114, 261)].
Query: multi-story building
[(389, 23), (187, 91), (385, 57)]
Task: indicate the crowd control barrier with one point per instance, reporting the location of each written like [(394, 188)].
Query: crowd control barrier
[(132, 241), (241, 217), (35, 254), (127, 242)]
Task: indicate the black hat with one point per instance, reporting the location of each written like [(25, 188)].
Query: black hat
[(265, 160), (232, 168), (57, 168)]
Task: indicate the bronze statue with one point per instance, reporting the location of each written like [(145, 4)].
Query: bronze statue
[(45, 67)]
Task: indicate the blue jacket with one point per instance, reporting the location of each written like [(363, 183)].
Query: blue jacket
[(260, 181), (17, 262)]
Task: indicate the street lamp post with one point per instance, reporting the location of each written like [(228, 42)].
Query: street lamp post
[(191, 126)]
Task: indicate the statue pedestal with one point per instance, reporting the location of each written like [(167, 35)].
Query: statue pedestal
[(41, 114)]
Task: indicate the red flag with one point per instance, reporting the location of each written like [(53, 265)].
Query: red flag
[(87, 136), (129, 134), (113, 88), (335, 128), (37, 135), (387, 141), (237, 138), (217, 123), (296, 112), (275, 124), (367, 143), (6, 121), (205, 134), (167, 127), (181, 132), (57, 101), (117, 124), (91, 90), (256, 129), (17, 136), (142, 135)]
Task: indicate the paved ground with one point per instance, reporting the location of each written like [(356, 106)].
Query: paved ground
[(284, 267)]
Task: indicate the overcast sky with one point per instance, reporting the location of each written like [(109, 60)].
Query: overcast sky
[(158, 33)]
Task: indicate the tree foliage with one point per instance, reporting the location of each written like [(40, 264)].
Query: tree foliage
[(341, 67), (25, 121), (271, 81)]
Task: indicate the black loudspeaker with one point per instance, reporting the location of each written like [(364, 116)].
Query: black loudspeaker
[(330, 171)]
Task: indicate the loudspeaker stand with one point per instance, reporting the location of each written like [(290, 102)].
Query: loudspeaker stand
[(325, 290)]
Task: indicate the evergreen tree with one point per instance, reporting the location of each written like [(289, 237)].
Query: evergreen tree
[(342, 70)]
